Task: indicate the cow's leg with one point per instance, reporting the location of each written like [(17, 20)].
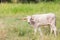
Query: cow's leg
[(54, 29), (35, 31), (51, 30), (39, 29), (53, 25)]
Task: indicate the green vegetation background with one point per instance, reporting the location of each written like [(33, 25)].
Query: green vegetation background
[(11, 28)]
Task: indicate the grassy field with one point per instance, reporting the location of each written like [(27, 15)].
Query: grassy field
[(11, 28)]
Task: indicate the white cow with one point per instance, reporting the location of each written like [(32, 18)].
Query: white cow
[(39, 20)]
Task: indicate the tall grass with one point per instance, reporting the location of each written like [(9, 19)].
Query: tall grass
[(14, 29)]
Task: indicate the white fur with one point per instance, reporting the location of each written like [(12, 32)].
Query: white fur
[(43, 20)]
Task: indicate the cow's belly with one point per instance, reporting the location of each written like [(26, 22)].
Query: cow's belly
[(44, 23)]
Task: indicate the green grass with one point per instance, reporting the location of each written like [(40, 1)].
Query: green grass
[(11, 28)]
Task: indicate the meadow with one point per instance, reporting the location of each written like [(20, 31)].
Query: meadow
[(11, 28)]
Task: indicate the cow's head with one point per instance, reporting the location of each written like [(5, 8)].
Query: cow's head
[(29, 19)]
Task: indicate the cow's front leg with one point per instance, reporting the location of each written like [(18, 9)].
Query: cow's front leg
[(39, 29), (35, 31), (51, 30)]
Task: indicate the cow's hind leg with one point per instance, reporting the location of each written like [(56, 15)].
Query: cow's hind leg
[(53, 27)]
